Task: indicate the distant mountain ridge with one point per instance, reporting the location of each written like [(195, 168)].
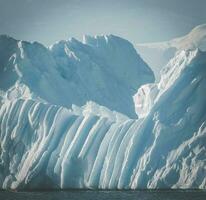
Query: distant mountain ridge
[(158, 54)]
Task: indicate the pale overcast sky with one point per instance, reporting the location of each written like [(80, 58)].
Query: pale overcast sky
[(136, 20)]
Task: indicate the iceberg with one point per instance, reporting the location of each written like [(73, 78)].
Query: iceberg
[(50, 138)]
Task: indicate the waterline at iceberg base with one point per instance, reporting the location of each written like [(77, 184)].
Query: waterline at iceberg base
[(67, 117)]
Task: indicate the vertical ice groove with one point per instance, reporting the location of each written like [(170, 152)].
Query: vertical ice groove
[(13, 118), (91, 156), (113, 155), (118, 161), (51, 140), (34, 154), (91, 137), (32, 112), (4, 140), (21, 118), (20, 141), (105, 173), (114, 152), (37, 113), (5, 112), (66, 142), (125, 173), (144, 160), (76, 145), (97, 169), (12, 104), (55, 154), (18, 125)]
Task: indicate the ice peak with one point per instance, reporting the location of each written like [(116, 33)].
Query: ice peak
[(98, 40)]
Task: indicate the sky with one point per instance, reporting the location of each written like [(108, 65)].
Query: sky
[(139, 21)]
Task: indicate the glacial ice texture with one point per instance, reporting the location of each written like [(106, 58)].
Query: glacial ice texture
[(47, 143)]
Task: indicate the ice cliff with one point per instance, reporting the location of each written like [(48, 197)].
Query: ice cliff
[(54, 133)]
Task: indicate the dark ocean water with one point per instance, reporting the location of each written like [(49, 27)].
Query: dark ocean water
[(104, 195)]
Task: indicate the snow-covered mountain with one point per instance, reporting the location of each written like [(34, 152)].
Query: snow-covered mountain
[(104, 69), (158, 54), (48, 143)]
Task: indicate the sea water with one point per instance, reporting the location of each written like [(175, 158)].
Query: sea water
[(105, 195)]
